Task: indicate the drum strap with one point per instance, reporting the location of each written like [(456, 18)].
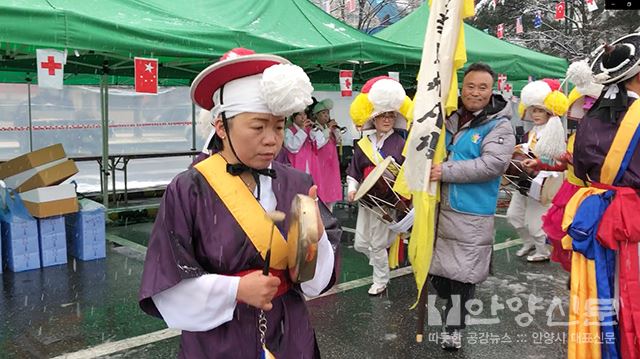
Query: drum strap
[(245, 209)]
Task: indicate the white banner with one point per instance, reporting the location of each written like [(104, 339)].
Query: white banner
[(434, 80), (50, 64)]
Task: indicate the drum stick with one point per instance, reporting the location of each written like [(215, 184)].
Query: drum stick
[(274, 216)]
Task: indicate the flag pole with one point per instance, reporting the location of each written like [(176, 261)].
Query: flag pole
[(104, 110), (422, 305), (422, 300)]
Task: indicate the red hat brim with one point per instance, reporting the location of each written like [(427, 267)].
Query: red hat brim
[(218, 74)]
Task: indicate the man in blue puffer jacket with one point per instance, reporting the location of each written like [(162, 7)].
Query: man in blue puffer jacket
[(480, 143)]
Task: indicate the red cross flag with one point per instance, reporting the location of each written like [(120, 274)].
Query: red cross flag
[(146, 72), (560, 11), (500, 31), (50, 65), (591, 5), (346, 82), (502, 81)]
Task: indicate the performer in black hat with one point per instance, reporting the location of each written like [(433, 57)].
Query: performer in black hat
[(605, 228)]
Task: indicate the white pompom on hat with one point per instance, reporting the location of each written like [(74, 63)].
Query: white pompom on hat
[(284, 88), (579, 73)]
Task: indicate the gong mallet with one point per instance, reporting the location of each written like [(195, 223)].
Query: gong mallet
[(275, 217)]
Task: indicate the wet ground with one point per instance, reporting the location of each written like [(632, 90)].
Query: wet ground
[(89, 309)]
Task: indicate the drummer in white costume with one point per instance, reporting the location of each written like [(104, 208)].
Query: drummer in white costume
[(382, 105)]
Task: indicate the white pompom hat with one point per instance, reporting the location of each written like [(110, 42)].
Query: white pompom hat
[(243, 81), (252, 83), (379, 95), (546, 94)]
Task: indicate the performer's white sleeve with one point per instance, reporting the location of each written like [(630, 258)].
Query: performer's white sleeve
[(324, 268), (292, 142), (352, 184), (336, 132), (320, 137), (198, 304)]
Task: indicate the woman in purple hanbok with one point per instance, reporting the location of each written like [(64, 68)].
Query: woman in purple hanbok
[(381, 106), (202, 271)]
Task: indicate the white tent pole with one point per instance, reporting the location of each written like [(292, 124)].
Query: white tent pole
[(104, 106), (30, 117), (193, 126)]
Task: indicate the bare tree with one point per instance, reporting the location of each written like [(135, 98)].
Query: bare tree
[(367, 14), (573, 38)]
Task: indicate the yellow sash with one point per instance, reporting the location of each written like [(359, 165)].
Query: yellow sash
[(533, 140), (367, 148), (583, 277), (570, 173), (245, 209), (620, 144)]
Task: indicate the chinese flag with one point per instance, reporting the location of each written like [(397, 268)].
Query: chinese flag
[(560, 11), (146, 72)]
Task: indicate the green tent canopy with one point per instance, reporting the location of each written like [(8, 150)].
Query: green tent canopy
[(186, 37), (517, 62)]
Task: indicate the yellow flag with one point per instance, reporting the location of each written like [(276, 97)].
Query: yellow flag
[(436, 97)]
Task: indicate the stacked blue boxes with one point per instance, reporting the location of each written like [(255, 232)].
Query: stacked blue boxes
[(21, 247), (53, 241), (86, 231)]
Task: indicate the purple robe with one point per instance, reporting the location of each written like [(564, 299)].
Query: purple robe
[(283, 157), (199, 158), (194, 234), (593, 140), (392, 146)]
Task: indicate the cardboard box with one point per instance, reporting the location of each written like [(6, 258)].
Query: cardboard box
[(53, 241), (31, 160), (51, 201), (86, 231), (53, 175), (18, 179), (21, 247)]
